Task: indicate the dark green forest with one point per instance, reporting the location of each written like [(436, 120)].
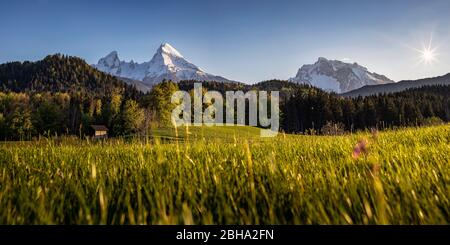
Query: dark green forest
[(310, 108), (63, 95)]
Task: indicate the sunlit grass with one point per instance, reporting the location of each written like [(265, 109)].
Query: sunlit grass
[(230, 178)]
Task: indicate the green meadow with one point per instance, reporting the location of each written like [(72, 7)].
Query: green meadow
[(229, 175)]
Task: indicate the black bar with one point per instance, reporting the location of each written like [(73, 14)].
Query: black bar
[(306, 234)]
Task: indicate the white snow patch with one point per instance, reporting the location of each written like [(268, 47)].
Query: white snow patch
[(325, 82)]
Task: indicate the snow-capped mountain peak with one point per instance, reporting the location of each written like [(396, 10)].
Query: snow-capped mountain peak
[(337, 76), (113, 55), (168, 60), (111, 60), (167, 63), (169, 50)]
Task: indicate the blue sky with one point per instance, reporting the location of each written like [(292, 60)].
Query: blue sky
[(248, 41)]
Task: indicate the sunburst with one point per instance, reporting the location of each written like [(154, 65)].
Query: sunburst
[(428, 53)]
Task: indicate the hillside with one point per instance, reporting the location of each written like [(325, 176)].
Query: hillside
[(59, 73), (399, 86)]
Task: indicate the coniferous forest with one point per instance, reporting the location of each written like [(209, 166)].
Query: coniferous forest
[(313, 109)]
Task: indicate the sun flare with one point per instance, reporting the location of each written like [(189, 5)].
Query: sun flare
[(428, 53)]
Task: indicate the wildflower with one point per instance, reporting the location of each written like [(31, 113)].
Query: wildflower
[(361, 148)]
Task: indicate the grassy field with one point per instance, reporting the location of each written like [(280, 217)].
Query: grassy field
[(228, 176)]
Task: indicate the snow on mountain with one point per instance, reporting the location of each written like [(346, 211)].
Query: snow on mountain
[(337, 76), (167, 63)]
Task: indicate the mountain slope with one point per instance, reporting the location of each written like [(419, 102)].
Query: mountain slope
[(59, 73), (399, 86), (167, 63), (337, 76)]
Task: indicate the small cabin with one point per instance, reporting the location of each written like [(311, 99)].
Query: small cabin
[(99, 131)]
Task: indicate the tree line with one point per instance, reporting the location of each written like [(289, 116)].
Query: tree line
[(312, 109)]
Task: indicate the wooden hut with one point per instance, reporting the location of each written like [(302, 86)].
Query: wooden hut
[(99, 131)]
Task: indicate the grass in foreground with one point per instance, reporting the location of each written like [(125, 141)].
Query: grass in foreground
[(403, 178)]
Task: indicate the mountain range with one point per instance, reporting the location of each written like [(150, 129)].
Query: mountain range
[(167, 63), (337, 76), (398, 86)]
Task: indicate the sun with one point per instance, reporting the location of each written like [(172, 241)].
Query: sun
[(428, 53)]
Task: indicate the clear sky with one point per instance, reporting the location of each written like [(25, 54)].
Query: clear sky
[(248, 41)]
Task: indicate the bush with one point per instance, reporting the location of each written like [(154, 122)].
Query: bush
[(432, 121)]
